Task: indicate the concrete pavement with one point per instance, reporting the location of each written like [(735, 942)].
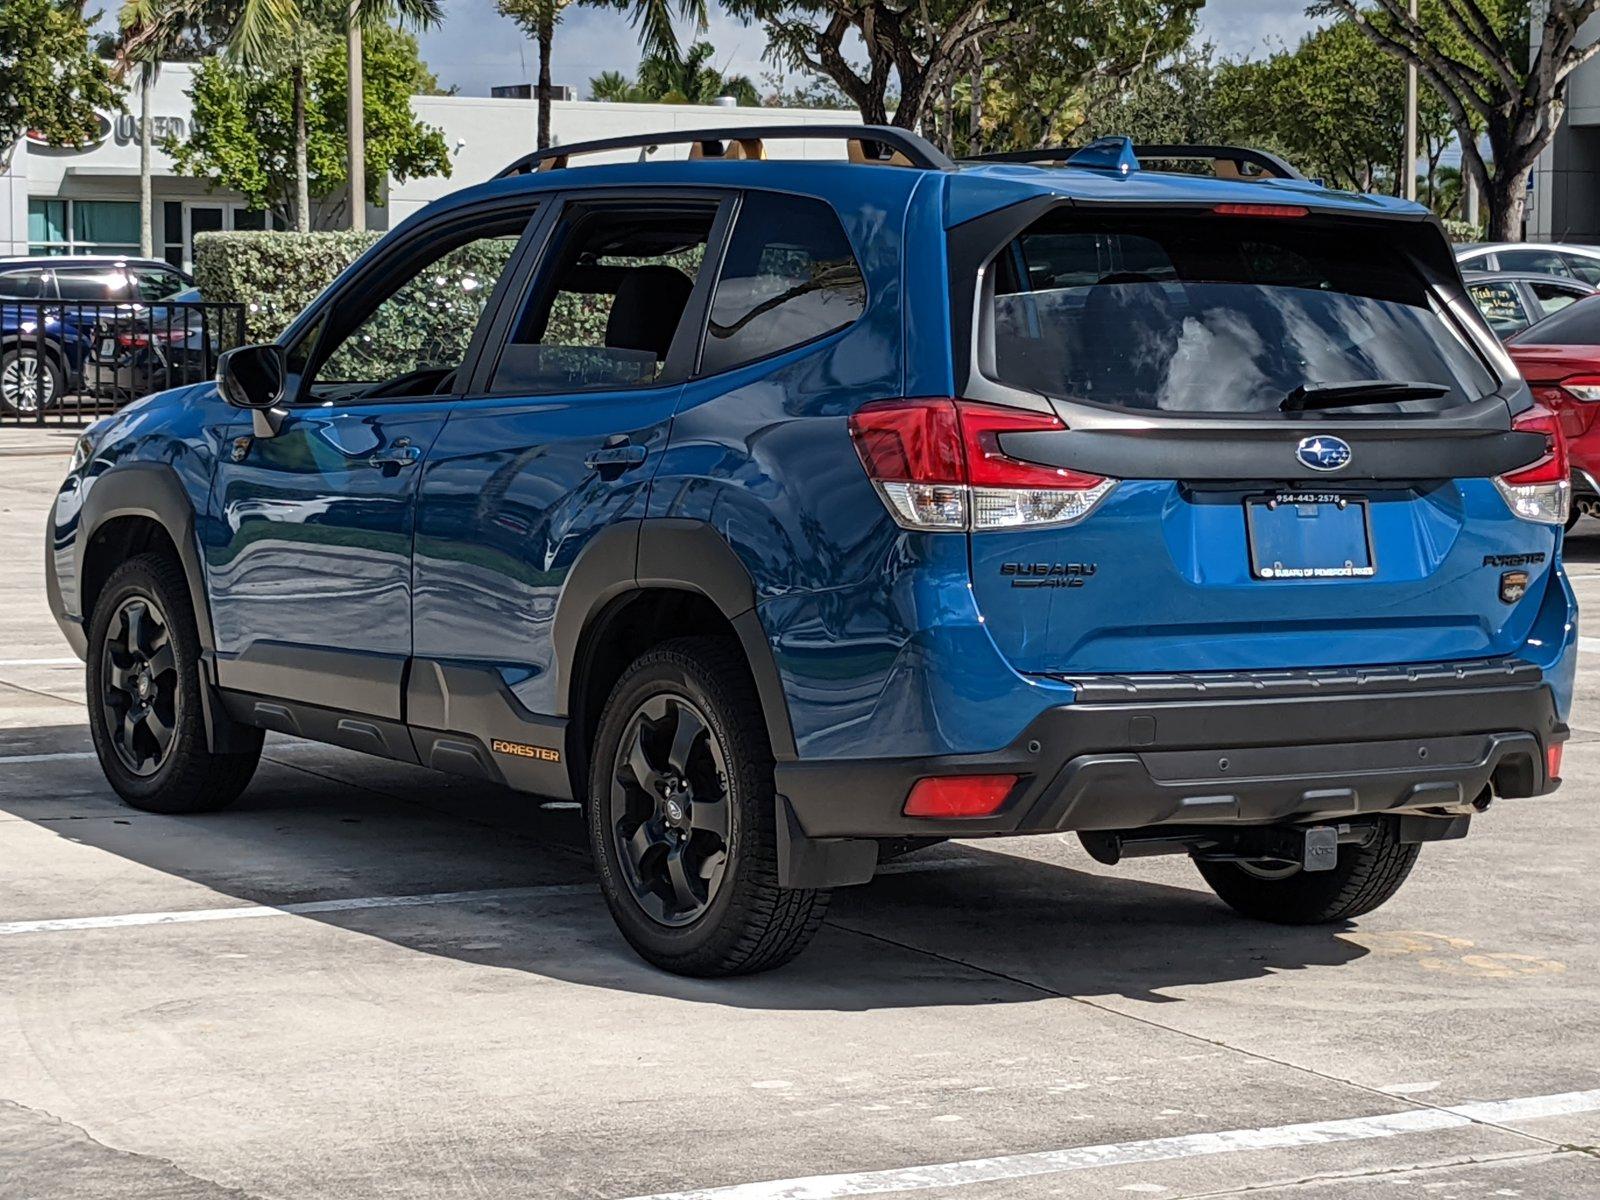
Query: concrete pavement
[(428, 998)]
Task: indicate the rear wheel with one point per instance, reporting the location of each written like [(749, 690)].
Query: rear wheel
[(145, 701), (682, 817), (1365, 878)]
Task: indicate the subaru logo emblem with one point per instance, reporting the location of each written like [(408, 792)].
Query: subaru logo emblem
[(1323, 453)]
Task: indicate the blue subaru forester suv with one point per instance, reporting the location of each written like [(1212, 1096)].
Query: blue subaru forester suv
[(795, 514)]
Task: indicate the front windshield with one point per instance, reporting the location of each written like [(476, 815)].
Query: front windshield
[(1208, 314)]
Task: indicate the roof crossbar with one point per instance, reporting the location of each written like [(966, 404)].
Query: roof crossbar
[(1229, 162), (882, 144)]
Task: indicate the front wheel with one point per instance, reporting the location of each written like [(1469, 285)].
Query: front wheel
[(28, 383), (1364, 878), (145, 700), (682, 817)]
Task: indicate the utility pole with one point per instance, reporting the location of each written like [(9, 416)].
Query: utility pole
[(355, 118), (1411, 122)]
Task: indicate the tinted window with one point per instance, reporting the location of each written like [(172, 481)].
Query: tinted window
[(1545, 262), (1584, 267), (1501, 306), (21, 285), (788, 277), (1217, 314), (98, 283), (609, 301), (1576, 325), (150, 284)]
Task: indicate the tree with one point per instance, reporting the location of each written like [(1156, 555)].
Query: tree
[(1492, 72), (150, 32), (50, 83), (808, 92), (1050, 75), (671, 79), (1172, 101), (358, 15), (653, 19), (244, 131)]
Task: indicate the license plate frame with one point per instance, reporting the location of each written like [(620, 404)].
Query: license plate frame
[(1256, 510)]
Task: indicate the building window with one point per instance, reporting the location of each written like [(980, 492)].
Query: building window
[(83, 227)]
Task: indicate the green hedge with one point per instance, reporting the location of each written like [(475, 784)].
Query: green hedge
[(274, 275)]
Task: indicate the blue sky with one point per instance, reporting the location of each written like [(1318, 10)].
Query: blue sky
[(476, 48)]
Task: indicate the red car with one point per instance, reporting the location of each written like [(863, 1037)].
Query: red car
[(1560, 359)]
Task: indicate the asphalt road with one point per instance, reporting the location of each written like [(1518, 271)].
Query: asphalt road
[(368, 980)]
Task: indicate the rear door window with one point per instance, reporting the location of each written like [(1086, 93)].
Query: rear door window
[(1584, 267), (1576, 325), (1553, 296), (789, 277), (1218, 314), (1501, 304), (22, 285)]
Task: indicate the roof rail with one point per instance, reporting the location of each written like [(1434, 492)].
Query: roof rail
[(883, 144), (1229, 162)]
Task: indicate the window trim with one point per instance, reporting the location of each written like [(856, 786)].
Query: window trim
[(560, 206), (699, 371), (383, 260)]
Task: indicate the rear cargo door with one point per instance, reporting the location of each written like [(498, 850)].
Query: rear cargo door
[(1295, 430)]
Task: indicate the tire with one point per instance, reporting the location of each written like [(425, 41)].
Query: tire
[(144, 656), (1365, 878), (660, 814), (19, 366)]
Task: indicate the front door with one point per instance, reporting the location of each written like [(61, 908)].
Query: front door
[(570, 413), (309, 556)]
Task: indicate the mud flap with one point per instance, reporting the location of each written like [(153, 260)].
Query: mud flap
[(807, 862)]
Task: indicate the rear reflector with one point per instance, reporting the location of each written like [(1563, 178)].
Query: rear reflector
[(1552, 760), (945, 796), (1540, 491), (1261, 210), (938, 464)]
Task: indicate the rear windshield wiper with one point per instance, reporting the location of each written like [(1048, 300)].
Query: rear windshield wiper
[(1310, 396)]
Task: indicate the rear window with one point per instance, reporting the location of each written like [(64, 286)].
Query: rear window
[(1205, 314)]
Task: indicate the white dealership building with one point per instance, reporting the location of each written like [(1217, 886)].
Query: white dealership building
[(86, 200)]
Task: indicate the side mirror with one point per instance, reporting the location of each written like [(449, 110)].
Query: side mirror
[(253, 377)]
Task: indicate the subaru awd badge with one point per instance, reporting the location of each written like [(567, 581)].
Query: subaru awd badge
[(1323, 453)]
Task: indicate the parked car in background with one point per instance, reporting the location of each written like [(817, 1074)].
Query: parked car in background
[(1538, 258), (49, 312), (1511, 301), (1560, 359)]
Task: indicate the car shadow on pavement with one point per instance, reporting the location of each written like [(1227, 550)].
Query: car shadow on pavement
[(954, 925)]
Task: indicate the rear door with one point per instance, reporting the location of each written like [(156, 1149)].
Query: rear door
[(556, 441), (1251, 494)]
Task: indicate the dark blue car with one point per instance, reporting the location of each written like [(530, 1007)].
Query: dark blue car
[(789, 515), (51, 311)]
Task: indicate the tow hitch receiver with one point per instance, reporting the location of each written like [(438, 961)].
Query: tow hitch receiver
[(1312, 848)]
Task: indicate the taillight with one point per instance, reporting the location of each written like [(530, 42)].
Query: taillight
[(938, 464), (1582, 387), (1542, 490)]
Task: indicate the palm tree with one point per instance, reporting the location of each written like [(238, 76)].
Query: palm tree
[(653, 19), (613, 86), (690, 78), (420, 13), (150, 31)]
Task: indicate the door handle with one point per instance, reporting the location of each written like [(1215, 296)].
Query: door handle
[(399, 453), (615, 457)]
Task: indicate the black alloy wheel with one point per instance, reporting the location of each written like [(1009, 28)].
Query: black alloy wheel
[(669, 809), (140, 694)]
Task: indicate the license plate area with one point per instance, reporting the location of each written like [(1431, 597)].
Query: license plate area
[(1309, 535)]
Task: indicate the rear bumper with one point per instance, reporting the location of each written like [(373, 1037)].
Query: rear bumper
[(1259, 748)]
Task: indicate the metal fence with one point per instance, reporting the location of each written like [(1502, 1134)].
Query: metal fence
[(66, 361)]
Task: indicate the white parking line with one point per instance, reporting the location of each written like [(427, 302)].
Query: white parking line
[(1083, 1158), (248, 911), (17, 760), (1589, 645)]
